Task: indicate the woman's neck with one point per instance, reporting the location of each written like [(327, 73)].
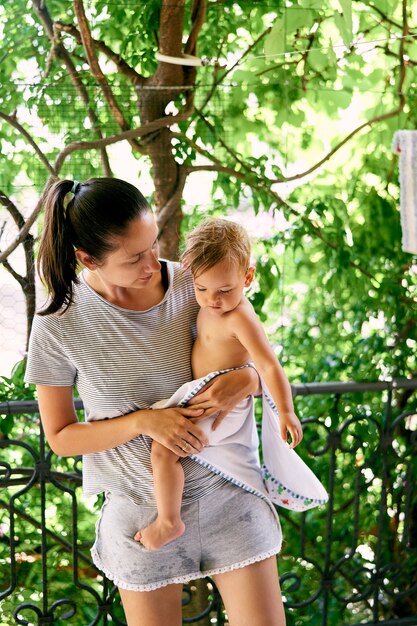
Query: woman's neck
[(135, 299)]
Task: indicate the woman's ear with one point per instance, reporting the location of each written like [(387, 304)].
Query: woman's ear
[(250, 272), (86, 260)]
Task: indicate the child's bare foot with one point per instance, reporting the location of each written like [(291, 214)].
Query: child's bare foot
[(159, 533)]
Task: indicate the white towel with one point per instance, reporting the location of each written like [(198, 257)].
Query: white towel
[(405, 144), (284, 478)]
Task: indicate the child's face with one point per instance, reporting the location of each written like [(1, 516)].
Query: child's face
[(220, 288)]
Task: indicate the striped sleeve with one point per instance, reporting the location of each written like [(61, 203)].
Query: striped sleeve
[(47, 362)]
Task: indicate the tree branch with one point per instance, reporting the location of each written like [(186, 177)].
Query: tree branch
[(146, 129), (384, 16), (369, 123), (27, 282), (220, 79), (19, 220), (122, 66), (198, 16), (24, 231), (264, 185), (168, 210), (305, 54), (60, 50), (191, 169), (12, 120), (12, 209), (378, 118), (20, 279), (210, 156), (88, 145), (228, 149), (98, 74), (278, 66), (314, 167)]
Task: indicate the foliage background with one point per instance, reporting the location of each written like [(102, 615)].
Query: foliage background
[(290, 131)]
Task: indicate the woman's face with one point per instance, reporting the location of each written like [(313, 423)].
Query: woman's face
[(134, 261)]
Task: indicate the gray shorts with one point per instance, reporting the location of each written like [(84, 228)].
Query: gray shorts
[(225, 530)]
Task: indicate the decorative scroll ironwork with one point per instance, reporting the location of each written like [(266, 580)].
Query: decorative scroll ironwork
[(351, 562)]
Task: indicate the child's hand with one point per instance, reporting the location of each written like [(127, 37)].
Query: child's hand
[(220, 395), (289, 423)]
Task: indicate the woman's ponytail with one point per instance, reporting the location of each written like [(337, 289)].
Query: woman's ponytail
[(57, 263)]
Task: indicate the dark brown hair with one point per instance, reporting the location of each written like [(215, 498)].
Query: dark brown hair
[(90, 218), (213, 241)]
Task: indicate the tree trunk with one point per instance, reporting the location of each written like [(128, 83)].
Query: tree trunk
[(164, 87)]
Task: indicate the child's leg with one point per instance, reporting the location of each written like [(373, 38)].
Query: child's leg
[(168, 477)]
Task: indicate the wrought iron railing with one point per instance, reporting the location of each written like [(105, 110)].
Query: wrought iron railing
[(351, 562)]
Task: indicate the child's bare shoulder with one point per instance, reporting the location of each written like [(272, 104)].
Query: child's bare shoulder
[(243, 312)]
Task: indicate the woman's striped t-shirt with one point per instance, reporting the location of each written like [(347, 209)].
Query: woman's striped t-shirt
[(121, 361)]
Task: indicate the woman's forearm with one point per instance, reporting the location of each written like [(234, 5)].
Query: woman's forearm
[(69, 437), (89, 437)]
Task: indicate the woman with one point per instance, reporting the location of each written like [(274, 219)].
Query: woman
[(122, 331)]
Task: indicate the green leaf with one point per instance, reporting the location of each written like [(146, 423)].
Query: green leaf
[(318, 59), (297, 18), (275, 42), (242, 76), (346, 6), (311, 4), (6, 424), (344, 28)]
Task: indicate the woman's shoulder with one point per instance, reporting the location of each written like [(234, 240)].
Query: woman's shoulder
[(180, 278), (68, 312), (181, 287)]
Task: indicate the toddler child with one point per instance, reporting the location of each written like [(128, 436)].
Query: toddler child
[(229, 335)]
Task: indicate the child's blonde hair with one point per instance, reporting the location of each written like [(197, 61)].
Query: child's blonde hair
[(213, 241)]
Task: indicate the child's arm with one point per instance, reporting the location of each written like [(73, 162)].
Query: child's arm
[(249, 332), (221, 394)]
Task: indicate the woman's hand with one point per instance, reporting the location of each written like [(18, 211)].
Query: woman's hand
[(172, 429), (224, 392)]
